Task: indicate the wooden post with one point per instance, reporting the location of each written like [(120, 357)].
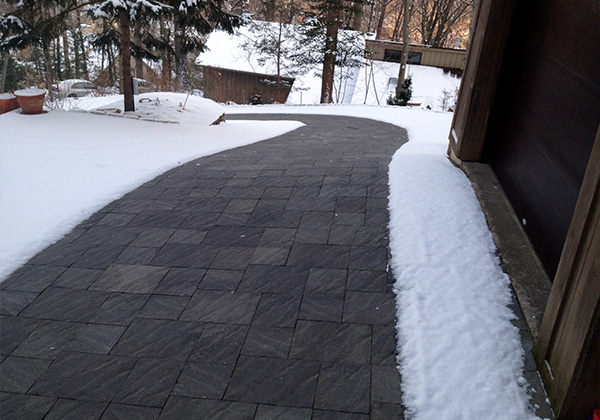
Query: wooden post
[(568, 348), (491, 27)]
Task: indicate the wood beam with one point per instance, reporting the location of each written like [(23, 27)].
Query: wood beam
[(567, 349), (489, 35)]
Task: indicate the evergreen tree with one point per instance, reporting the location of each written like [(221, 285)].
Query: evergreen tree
[(276, 46), (36, 23), (127, 12), (318, 46), (325, 21), (404, 96), (185, 28)]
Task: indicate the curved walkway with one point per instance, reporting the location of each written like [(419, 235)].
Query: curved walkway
[(251, 284)]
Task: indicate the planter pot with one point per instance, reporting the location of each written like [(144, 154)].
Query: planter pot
[(31, 100), (8, 102)]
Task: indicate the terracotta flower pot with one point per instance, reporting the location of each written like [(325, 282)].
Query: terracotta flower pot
[(31, 100), (8, 102)]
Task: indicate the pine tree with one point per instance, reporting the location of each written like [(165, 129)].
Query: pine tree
[(403, 96), (191, 21), (331, 48), (127, 12), (327, 19), (276, 46), (36, 23)]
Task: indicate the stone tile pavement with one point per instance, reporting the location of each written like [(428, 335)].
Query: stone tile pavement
[(251, 284)]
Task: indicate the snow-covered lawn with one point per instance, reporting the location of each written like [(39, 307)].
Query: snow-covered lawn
[(460, 356), (58, 168)]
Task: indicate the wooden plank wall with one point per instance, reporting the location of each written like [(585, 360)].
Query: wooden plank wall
[(545, 116)]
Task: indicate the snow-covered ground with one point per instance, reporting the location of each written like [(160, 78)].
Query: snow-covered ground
[(58, 168), (460, 356), (370, 84)]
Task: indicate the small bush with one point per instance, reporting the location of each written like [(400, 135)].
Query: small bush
[(405, 94)]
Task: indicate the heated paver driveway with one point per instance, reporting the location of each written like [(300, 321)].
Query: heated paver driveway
[(251, 284)]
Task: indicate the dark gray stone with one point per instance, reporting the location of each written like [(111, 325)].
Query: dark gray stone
[(18, 374), (326, 281), (367, 281), (386, 411), (178, 408), (274, 279), (180, 281), (344, 387), (13, 331), (130, 278), (149, 383), (33, 279), (19, 407), (322, 308), (130, 412), (90, 377), (330, 341), (277, 238), (158, 339), (277, 310), (233, 258), (76, 410), (226, 236), (336, 415), (77, 278), (274, 381), (268, 341), (219, 343), (98, 256), (164, 307), (66, 304), (270, 256), (13, 302), (370, 308), (48, 340), (221, 307), (119, 309), (383, 350), (368, 258), (386, 385), (273, 412), (185, 256), (221, 280), (96, 338), (326, 256), (203, 380), (136, 255)]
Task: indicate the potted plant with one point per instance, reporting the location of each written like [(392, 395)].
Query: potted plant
[(8, 102), (31, 100)]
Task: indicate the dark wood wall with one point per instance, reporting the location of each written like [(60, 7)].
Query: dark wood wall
[(545, 115), (224, 85)]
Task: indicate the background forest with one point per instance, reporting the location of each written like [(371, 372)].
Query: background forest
[(46, 41)]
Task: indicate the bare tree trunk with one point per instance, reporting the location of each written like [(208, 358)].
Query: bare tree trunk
[(126, 62), (65, 40), (48, 75), (331, 40), (57, 58), (180, 59), (406, 41), (81, 58), (279, 60), (5, 58), (379, 30)]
